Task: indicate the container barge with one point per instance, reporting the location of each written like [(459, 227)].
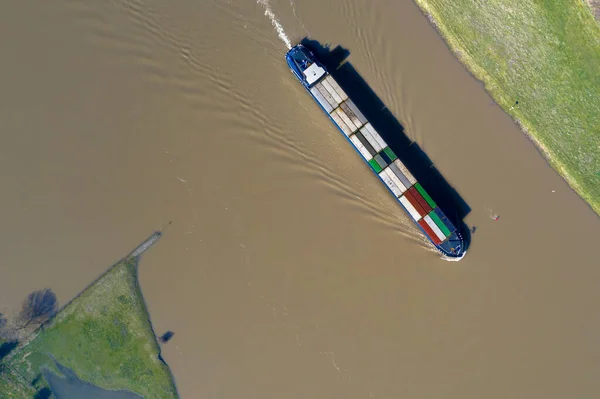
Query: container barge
[(400, 182)]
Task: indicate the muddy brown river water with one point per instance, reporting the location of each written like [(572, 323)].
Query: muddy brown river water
[(288, 270)]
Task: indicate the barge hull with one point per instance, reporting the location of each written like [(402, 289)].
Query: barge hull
[(367, 142)]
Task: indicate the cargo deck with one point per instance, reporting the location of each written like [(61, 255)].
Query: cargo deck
[(400, 182)]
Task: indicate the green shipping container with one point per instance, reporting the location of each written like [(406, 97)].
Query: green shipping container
[(422, 191), (388, 151), (375, 165), (439, 223)]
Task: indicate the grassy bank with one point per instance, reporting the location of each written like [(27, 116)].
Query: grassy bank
[(546, 56), (103, 335), (12, 388)]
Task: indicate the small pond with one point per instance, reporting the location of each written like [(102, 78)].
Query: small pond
[(71, 387)]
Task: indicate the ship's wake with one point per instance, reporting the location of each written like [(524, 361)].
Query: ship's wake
[(275, 22), (451, 259)]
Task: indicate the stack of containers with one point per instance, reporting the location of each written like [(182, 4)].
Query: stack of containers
[(410, 208), (382, 159), (329, 94), (442, 221), (366, 153), (435, 223), (432, 223), (426, 196), (432, 229), (416, 205), (392, 182), (336, 87), (420, 200)]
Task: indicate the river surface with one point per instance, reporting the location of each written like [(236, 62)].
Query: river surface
[(288, 270)]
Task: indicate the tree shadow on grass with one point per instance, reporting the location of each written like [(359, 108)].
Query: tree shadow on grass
[(6, 348), (43, 393)]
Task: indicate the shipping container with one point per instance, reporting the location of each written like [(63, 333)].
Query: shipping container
[(321, 99), (356, 111), (428, 231), (361, 148), (400, 175), (440, 224), (415, 203), (411, 209), (445, 219), (395, 179), (366, 133), (375, 166), (341, 124), (371, 140), (388, 151), (380, 161), (375, 135), (405, 172), (314, 77), (365, 143), (346, 119), (420, 199), (385, 157), (388, 182), (435, 228), (337, 87), (422, 191), (331, 91), (327, 96), (351, 114)]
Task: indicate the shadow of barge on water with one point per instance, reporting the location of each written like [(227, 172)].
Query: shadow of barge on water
[(392, 131)]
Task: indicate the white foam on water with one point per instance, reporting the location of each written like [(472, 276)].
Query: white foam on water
[(449, 259), (280, 32)]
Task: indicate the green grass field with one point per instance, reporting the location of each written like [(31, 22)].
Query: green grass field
[(12, 388), (104, 336), (545, 54)]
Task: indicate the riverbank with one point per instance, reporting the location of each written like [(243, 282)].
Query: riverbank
[(12, 388), (541, 63), (595, 6), (104, 335)]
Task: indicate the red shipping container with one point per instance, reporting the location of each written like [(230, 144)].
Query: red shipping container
[(415, 203), (428, 230), (420, 199)]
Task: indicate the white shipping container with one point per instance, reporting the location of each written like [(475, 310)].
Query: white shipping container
[(435, 228), (346, 119), (326, 94), (361, 148), (332, 91), (341, 123), (395, 179), (371, 140), (405, 171), (375, 135), (388, 182), (396, 170), (411, 209), (351, 115), (321, 99), (356, 111), (336, 87)]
